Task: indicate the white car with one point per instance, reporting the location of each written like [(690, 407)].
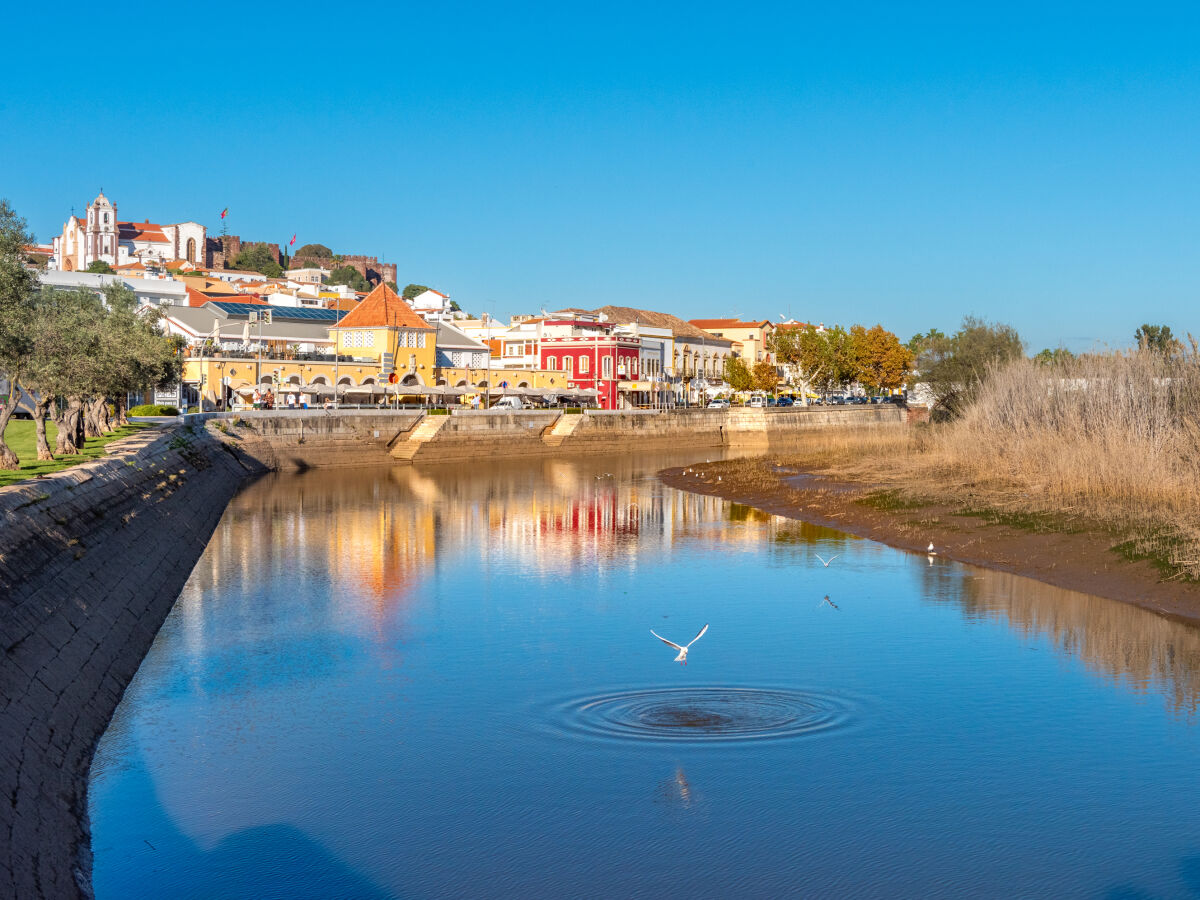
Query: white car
[(758, 402), (719, 404)]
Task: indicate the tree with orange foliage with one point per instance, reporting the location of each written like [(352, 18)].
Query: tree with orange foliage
[(882, 362)]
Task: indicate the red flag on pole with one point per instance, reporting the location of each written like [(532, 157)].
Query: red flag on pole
[(293, 240), (225, 210)]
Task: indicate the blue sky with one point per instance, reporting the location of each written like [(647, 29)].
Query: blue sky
[(838, 163)]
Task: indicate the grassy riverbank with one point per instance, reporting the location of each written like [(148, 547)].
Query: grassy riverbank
[(1109, 445), (21, 437)]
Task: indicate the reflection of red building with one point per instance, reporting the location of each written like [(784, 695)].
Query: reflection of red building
[(585, 348)]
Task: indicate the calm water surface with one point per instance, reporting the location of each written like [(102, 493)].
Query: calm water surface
[(421, 682)]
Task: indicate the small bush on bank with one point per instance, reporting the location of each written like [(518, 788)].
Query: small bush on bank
[(153, 409)]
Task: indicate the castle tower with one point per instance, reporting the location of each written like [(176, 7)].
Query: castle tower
[(100, 239)]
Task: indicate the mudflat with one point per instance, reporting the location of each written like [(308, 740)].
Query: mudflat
[(1080, 560)]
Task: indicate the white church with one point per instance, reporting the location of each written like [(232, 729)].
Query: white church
[(100, 236)]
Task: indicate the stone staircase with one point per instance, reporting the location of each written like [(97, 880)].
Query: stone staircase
[(425, 431), (562, 429)]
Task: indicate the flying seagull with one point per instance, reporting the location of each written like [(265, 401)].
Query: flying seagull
[(826, 561), (827, 601), (682, 657)]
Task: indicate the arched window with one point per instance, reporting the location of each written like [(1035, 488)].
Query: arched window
[(191, 250), (569, 363), (583, 365), (550, 363), (607, 367), (106, 218)]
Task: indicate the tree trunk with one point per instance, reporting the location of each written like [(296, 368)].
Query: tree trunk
[(121, 407), (77, 411), (100, 416), (68, 425), (9, 459), (91, 424), (40, 409)]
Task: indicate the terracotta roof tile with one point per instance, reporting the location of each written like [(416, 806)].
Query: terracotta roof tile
[(727, 323), (383, 307), (627, 315)]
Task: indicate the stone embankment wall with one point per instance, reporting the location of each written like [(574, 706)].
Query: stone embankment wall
[(91, 561), (711, 428), (302, 439), (314, 438)]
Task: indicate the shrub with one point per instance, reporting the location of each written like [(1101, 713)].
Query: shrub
[(151, 409)]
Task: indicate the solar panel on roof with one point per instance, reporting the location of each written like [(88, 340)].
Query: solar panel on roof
[(295, 313)]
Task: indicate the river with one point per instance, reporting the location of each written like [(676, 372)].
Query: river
[(441, 682)]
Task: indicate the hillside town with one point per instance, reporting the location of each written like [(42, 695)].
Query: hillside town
[(261, 325)]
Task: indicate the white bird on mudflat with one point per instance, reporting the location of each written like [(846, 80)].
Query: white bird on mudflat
[(930, 549), (826, 561), (683, 651)]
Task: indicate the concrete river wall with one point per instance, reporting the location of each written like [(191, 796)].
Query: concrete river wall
[(312, 438), (93, 558)]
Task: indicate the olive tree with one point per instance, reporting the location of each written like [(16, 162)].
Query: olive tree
[(17, 289)]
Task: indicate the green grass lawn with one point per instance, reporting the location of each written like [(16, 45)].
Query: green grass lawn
[(20, 436)]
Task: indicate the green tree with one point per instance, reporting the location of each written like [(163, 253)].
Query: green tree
[(66, 347), (766, 377), (392, 285), (804, 355), (350, 276), (954, 367), (1157, 339), (258, 258), (737, 374), (100, 267), (412, 290), (18, 289), (881, 361), (314, 252), (841, 359), (1048, 357)]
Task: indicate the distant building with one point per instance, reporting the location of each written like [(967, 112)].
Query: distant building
[(384, 327), (750, 339), (100, 235), (458, 350), (695, 364), (434, 306), (369, 267), (149, 291)]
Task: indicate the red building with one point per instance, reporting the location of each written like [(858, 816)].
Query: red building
[(586, 348)]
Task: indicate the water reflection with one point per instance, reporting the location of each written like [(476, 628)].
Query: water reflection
[(430, 681), (1139, 649)]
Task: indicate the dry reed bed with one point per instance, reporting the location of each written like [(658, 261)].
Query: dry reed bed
[(1104, 442)]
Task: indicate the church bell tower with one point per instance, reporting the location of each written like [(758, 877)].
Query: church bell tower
[(101, 237)]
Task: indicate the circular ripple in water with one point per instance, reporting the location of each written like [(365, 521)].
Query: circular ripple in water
[(702, 714)]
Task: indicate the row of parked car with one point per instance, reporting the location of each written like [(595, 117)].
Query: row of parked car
[(832, 400)]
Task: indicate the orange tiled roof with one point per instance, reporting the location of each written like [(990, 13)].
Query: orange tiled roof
[(141, 231), (706, 324), (383, 307)]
